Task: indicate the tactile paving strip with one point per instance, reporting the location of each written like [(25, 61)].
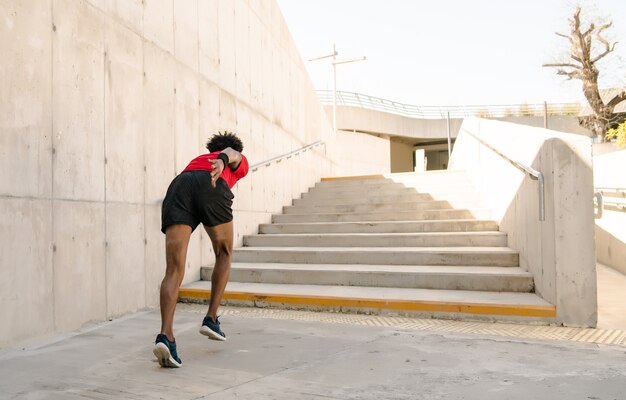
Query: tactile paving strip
[(541, 332)]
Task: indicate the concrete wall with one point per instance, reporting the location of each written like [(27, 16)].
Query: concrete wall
[(559, 251), (372, 121), (561, 123), (379, 122), (355, 153), (609, 171), (102, 103), (401, 157)]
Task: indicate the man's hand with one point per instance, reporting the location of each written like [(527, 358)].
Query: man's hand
[(218, 167)]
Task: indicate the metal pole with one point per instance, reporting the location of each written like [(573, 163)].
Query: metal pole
[(449, 140), (545, 114)]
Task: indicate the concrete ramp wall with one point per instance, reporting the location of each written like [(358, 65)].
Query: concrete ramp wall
[(559, 251), (102, 103)]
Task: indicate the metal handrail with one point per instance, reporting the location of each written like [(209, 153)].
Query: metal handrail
[(281, 157), (610, 192), (440, 112), (600, 202), (531, 172)]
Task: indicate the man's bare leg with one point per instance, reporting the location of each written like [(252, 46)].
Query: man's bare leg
[(222, 240), (176, 243)]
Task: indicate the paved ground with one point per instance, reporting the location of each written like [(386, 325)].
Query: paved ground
[(272, 355), (611, 298)]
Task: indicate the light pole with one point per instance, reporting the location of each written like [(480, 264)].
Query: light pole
[(334, 64)]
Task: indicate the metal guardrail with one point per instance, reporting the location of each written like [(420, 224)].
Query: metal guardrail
[(531, 172), (281, 157), (441, 112), (602, 203)]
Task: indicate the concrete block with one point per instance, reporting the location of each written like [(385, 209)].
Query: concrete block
[(243, 121), (158, 122), (125, 258), (79, 263), (256, 47), (227, 62), (25, 98), (228, 112), (242, 49), (158, 23), (186, 128), (123, 116), (128, 12), (186, 32), (208, 112), (154, 254), (208, 40), (78, 94), (26, 288)]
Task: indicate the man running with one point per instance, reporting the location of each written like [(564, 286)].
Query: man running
[(200, 194)]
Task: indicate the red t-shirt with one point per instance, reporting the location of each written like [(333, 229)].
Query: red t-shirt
[(230, 176)]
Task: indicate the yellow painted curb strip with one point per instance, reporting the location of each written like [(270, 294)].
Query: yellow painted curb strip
[(404, 305)]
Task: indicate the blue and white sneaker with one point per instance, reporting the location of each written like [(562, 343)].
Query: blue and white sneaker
[(165, 352), (212, 329)]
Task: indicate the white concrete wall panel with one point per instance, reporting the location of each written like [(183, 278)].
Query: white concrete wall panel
[(125, 258), (187, 122), (26, 287), (559, 252), (608, 161), (208, 40), (126, 94), (123, 115), (186, 32), (128, 12), (158, 23), (226, 48), (79, 263), (158, 122), (25, 98), (242, 49), (78, 101)]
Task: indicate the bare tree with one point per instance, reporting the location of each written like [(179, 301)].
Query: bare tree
[(582, 66)]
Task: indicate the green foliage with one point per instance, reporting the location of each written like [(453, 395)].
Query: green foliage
[(619, 134)]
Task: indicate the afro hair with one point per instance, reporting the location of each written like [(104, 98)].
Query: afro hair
[(222, 140)]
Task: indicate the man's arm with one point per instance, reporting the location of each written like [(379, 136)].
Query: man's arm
[(234, 159)]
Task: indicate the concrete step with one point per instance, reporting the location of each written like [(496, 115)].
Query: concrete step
[(477, 256), (395, 190), (461, 225), (478, 213), (373, 199), (359, 195), (363, 208), (496, 279), (429, 239), (385, 199), (403, 178), (416, 302)]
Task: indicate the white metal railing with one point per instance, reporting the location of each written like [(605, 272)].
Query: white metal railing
[(285, 156), (531, 172), (440, 112), (616, 199)]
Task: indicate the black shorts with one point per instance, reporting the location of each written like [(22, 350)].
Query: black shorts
[(191, 199)]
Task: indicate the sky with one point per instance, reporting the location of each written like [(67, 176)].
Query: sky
[(450, 52)]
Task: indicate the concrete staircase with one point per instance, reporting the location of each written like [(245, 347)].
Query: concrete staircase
[(405, 243)]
